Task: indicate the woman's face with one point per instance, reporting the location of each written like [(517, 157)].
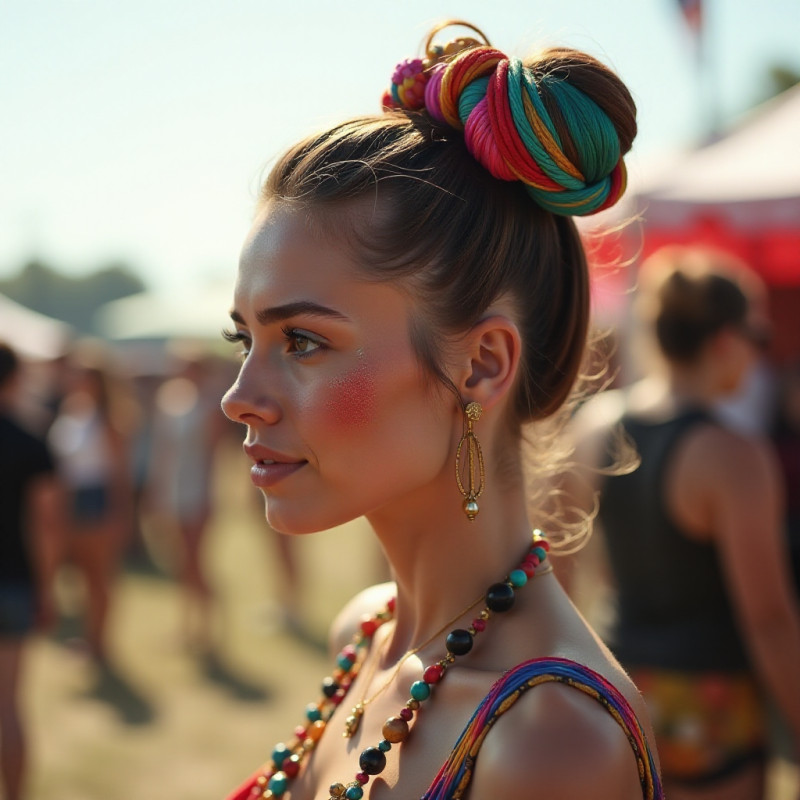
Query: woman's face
[(341, 419)]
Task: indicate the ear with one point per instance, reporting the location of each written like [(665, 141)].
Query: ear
[(490, 356)]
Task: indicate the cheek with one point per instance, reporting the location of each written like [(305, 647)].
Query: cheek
[(350, 401)]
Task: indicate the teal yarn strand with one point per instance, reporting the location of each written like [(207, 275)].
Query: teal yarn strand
[(473, 93), (572, 202), (592, 132)]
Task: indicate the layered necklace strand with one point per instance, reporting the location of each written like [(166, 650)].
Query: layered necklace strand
[(352, 722), (287, 759)]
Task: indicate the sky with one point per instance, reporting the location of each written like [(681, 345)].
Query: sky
[(138, 131)]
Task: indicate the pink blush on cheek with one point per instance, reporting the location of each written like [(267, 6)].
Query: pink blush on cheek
[(351, 397)]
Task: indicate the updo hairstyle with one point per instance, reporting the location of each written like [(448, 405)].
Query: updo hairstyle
[(691, 294), (453, 215)]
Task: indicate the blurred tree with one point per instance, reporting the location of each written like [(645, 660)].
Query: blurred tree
[(43, 288), (782, 77)]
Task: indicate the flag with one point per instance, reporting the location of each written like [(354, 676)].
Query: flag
[(692, 13)]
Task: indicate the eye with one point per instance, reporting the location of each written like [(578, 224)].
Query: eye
[(300, 343), (238, 337)]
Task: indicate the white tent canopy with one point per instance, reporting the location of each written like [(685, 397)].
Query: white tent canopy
[(201, 314), (753, 173), (31, 334)]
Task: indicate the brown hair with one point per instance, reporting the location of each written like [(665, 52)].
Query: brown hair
[(9, 363), (693, 293), (459, 237)]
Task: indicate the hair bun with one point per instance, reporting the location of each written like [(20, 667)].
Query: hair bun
[(560, 124)]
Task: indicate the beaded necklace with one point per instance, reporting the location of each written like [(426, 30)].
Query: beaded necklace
[(287, 759)]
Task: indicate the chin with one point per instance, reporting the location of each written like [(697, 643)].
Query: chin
[(291, 520)]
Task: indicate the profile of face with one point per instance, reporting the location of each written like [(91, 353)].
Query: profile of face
[(341, 418)]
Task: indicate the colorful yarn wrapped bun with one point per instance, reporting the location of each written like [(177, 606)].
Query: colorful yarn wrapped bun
[(538, 123)]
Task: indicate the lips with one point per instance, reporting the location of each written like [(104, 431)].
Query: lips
[(269, 466)]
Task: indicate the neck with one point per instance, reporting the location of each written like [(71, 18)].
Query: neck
[(441, 560), (692, 385)]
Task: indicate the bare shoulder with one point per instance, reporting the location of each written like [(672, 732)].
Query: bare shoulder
[(746, 462), (561, 743), (365, 603)]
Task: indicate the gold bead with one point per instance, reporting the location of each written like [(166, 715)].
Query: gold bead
[(336, 789), (485, 614), (395, 730), (412, 704)]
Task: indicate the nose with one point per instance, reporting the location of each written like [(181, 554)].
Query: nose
[(248, 401)]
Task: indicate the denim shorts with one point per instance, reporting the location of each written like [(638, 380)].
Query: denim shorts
[(90, 503), (17, 610)]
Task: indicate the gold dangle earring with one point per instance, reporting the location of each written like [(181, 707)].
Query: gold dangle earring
[(472, 413)]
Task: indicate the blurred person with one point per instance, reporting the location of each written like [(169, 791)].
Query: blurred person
[(30, 540), (786, 437), (705, 622), (188, 427), (90, 439), (404, 305)]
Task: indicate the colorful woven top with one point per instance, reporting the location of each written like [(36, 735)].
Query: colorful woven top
[(454, 776)]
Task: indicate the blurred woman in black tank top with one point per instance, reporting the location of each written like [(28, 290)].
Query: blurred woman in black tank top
[(706, 620)]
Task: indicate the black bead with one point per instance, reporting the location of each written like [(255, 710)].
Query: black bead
[(329, 687), (499, 597), (459, 642), (372, 761)]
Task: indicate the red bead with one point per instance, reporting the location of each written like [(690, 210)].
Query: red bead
[(300, 732), (407, 714), (433, 673), (362, 777), (291, 766), (338, 697), (349, 652), (369, 626), (479, 624), (529, 570), (391, 604)]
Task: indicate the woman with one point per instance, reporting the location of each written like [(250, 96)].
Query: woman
[(405, 304), (705, 621), (91, 447)]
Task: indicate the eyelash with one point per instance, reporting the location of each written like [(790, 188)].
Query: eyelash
[(291, 335)]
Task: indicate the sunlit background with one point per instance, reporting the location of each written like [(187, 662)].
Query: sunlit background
[(136, 132)]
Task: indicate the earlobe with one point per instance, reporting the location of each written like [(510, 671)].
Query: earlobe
[(493, 348)]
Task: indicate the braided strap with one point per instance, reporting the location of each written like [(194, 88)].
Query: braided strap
[(502, 107)]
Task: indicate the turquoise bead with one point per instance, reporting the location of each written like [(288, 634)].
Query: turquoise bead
[(420, 690), (278, 783), (344, 662), (280, 754), (540, 552), (354, 793), (313, 713), (518, 578), (384, 746)]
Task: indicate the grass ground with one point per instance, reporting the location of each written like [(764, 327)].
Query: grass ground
[(165, 724)]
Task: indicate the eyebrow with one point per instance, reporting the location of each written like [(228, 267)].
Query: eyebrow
[(265, 316)]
